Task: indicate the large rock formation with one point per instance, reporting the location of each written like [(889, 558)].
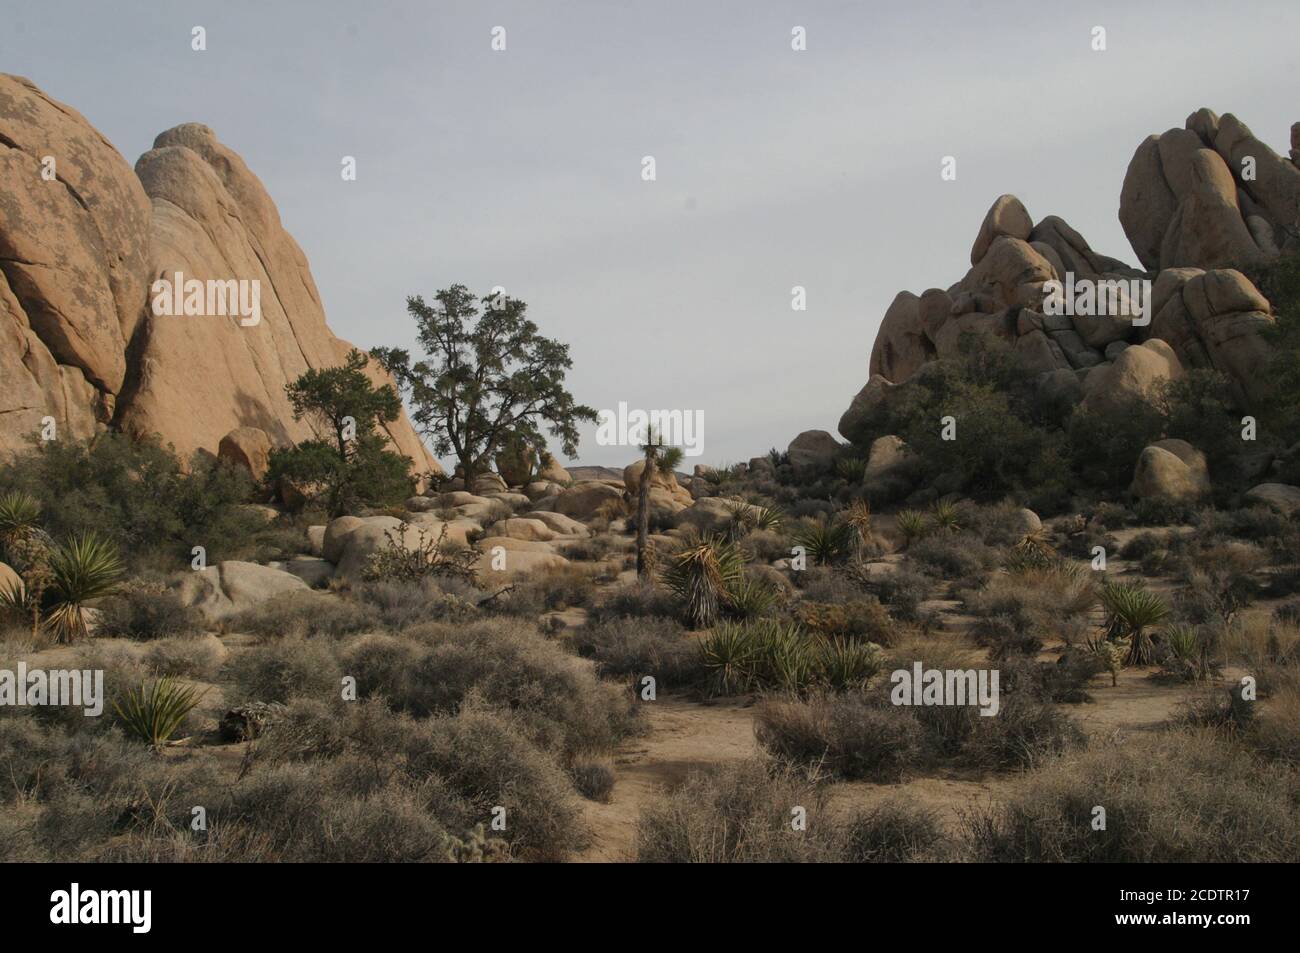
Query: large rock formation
[(82, 240), (74, 246), (1208, 195), (1194, 202)]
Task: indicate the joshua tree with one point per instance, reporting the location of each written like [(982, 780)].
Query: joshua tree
[(661, 459)]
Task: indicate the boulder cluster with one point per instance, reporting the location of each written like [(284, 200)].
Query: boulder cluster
[(1197, 204), (83, 237), (514, 528)]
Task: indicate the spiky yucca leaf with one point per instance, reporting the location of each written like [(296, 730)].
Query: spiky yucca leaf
[(728, 655), (946, 515), (152, 713), (768, 517), (785, 657), (911, 524), (702, 575), (858, 519), (750, 598), (85, 567), (1111, 653), (741, 518), (825, 542), (1033, 551), (19, 512), (1130, 611), (853, 469), (848, 664)]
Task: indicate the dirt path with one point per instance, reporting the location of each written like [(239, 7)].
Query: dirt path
[(683, 735)]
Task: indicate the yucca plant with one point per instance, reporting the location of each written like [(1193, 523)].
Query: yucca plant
[(703, 575), (912, 525), (1033, 551), (152, 713), (741, 518), (826, 542), (728, 655), (1130, 611), (858, 519), (1188, 652), (946, 515), (85, 567), (846, 664), (768, 517), (785, 658), (19, 516), (853, 469), (750, 598)]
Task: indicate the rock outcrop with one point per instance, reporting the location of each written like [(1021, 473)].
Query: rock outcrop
[(83, 338), (1170, 470), (1209, 195), (1195, 202)]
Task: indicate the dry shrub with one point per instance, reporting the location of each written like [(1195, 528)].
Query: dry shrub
[(1176, 797), (842, 736)]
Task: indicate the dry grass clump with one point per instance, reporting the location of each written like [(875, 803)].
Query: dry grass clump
[(304, 615), (198, 658), (635, 600), (635, 647), (738, 813), (283, 669), (745, 812), (1183, 796), (841, 736), (436, 668)]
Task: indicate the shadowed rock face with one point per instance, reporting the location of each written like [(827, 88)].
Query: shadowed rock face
[(1195, 201), (79, 340)]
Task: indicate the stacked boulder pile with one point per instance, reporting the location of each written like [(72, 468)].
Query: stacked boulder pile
[(1197, 204)]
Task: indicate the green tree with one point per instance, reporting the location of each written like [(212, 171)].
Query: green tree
[(487, 375), (348, 464)]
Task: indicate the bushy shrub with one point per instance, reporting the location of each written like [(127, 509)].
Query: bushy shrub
[(955, 555), (593, 777), (843, 736), (1173, 797), (1025, 732), (634, 647), (635, 600), (185, 657), (862, 618), (136, 493), (283, 669), (304, 615), (146, 611), (562, 587), (438, 668), (737, 813), (893, 832)]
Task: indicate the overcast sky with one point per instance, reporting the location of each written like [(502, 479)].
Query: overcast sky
[(774, 168)]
